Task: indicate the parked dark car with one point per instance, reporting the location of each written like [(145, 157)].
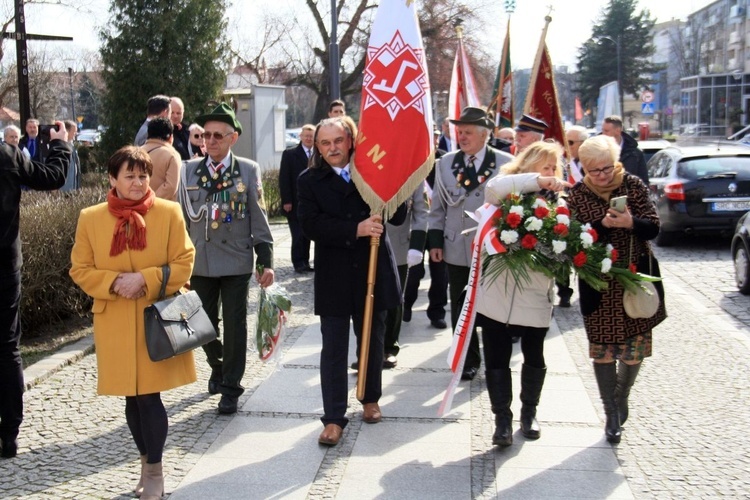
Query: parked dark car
[(741, 254), (699, 189)]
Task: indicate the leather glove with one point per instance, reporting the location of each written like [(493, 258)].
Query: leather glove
[(414, 257)]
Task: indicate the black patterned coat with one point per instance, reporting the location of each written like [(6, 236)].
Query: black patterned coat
[(603, 313)]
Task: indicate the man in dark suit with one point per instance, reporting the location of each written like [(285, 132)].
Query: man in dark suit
[(30, 142), (294, 162), (334, 215), (158, 106), (180, 133)]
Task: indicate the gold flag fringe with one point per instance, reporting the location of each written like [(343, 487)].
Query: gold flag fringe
[(388, 207)]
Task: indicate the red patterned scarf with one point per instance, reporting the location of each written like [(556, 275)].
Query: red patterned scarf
[(129, 220)]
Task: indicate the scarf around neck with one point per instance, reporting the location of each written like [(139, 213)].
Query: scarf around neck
[(604, 192), (130, 220)]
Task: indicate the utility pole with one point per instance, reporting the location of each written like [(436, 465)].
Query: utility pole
[(333, 56)]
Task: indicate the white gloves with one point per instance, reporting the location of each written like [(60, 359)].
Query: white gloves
[(414, 257)]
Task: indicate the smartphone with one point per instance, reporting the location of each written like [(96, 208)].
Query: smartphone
[(618, 203)]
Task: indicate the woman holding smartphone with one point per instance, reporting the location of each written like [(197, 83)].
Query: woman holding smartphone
[(617, 206)]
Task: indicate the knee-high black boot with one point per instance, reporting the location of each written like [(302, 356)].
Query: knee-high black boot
[(532, 380), (501, 394), (626, 375), (606, 378)]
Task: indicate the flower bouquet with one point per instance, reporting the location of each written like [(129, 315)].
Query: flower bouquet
[(270, 330), (532, 233)]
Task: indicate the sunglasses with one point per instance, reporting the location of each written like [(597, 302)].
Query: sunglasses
[(216, 135), (197, 136)]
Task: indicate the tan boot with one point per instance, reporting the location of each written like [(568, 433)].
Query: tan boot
[(153, 482), (139, 487)]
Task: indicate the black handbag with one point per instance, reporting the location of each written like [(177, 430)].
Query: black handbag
[(177, 324)]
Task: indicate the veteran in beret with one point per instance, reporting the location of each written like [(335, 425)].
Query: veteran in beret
[(222, 200), (460, 179)]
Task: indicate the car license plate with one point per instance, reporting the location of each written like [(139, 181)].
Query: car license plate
[(730, 206)]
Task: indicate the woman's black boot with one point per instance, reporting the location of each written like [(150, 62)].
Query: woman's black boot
[(606, 378), (500, 391), (532, 381), (626, 375)]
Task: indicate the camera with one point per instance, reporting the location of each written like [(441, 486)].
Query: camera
[(44, 131)]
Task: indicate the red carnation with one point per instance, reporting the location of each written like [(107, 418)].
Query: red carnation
[(562, 211), (529, 242), (560, 229), (580, 259), (632, 268), (593, 234), (614, 255), (513, 220), (541, 212)]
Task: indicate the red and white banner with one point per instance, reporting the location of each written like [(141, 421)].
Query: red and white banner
[(463, 89), (395, 147), (487, 217)]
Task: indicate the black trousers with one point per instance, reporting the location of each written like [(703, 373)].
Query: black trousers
[(334, 378), (458, 278), (300, 243), (393, 319), (11, 367), (498, 343), (228, 357), (437, 294)]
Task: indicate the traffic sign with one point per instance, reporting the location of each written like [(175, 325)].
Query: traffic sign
[(647, 96), (647, 108)]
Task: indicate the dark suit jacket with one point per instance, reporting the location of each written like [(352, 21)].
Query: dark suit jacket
[(24, 143), (181, 138), (329, 210), (293, 163)]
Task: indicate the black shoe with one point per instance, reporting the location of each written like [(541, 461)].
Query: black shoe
[(439, 323), (355, 366), (390, 361), (300, 269), (309, 268), (564, 302), (228, 404), (407, 315), (469, 373), (10, 448)]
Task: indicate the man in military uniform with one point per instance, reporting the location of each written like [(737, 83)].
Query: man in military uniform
[(460, 178), (222, 197)]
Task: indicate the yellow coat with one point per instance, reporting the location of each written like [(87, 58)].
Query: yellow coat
[(124, 368)]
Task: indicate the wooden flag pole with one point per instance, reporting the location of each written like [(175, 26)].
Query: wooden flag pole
[(364, 348)]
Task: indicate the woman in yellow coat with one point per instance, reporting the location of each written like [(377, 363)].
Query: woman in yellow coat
[(119, 249)]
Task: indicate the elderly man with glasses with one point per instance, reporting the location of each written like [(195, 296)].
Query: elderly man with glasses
[(222, 198)]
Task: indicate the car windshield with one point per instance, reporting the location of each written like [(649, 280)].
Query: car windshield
[(716, 166)]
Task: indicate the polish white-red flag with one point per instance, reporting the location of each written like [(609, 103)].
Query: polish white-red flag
[(463, 88), (395, 148)]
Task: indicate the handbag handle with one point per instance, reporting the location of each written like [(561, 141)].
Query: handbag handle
[(164, 280)]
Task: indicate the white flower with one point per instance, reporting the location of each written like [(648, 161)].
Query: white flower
[(559, 246), (533, 224), (508, 237), (561, 202), (609, 248), (586, 227), (539, 202), (606, 265), (563, 219), (587, 240), (516, 209)]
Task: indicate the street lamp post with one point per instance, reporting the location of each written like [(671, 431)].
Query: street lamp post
[(617, 41), (333, 56), (72, 98)]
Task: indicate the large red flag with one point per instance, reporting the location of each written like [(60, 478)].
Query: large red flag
[(395, 148), (541, 100), (463, 88)]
